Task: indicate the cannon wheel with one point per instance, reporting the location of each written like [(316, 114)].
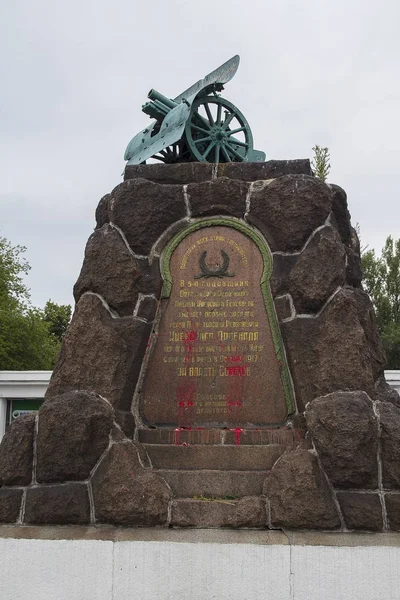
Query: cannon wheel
[(176, 153), (216, 131)]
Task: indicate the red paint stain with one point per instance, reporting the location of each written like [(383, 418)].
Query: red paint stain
[(238, 432), (233, 358), (235, 371)]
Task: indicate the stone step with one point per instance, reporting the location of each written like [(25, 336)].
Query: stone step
[(246, 512), (215, 436), (232, 458), (214, 484)]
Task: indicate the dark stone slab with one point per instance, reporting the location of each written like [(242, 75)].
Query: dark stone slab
[(214, 340), (354, 273), (10, 504), (247, 512), (147, 308), (109, 269), (374, 352), (293, 206), (341, 213), (126, 421), (318, 272), (213, 483), (264, 170), (73, 433), (219, 197), (392, 502), (16, 452), (143, 210), (344, 429), (282, 265), (284, 307), (181, 173), (299, 495), (385, 392), (214, 436), (58, 505), (390, 444), (101, 354), (102, 211), (125, 494), (235, 458), (196, 172), (333, 351), (361, 511)]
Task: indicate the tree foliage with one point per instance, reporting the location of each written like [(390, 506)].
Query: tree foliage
[(320, 162), (382, 282), (57, 316), (29, 337)]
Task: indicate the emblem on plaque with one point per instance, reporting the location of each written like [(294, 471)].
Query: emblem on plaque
[(220, 272)]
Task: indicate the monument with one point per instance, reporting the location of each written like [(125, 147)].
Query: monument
[(223, 366)]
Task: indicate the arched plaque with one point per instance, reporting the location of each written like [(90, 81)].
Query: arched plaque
[(217, 357)]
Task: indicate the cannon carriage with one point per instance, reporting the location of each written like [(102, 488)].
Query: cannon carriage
[(198, 125)]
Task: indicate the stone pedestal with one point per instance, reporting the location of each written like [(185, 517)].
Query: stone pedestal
[(222, 367)]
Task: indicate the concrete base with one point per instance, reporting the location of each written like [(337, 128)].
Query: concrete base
[(156, 564)]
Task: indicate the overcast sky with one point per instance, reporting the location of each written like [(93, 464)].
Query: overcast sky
[(73, 77)]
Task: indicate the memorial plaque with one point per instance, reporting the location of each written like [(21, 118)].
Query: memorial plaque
[(214, 361)]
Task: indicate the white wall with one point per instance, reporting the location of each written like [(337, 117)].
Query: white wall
[(39, 569)]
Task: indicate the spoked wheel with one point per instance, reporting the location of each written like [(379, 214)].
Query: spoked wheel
[(217, 132), (176, 153)]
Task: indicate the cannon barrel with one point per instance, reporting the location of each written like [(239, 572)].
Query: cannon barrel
[(159, 105), (154, 95)]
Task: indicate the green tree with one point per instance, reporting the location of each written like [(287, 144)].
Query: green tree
[(57, 316), (320, 162), (382, 282), (29, 337)]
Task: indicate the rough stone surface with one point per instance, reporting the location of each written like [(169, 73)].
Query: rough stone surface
[(73, 433), (109, 269), (385, 393), (282, 265), (147, 308), (16, 452), (344, 429), (247, 512), (125, 494), (332, 351), (264, 170), (374, 352), (143, 210), (299, 495), (58, 505), (284, 307), (10, 504), (341, 213), (392, 502), (102, 211), (180, 173), (225, 457), (219, 197), (126, 421), (213, 483), (318, 272), (293, 206), (196, 172), (390, 444), (354, 273), (361, 511), (101, 354)]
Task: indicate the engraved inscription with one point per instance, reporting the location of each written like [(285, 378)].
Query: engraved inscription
[(214, 360)]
